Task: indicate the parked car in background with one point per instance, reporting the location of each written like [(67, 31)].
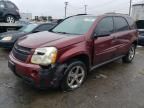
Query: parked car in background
[(64, 56), (9, 12), (141, 37), (8, 39), (140, 26)]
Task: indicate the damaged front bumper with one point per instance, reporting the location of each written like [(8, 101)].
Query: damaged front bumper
[(37, 76)]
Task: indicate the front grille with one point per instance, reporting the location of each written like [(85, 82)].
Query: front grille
[(21, 53)]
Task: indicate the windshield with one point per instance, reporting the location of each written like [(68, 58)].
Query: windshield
[(28, 28), (75, 25)]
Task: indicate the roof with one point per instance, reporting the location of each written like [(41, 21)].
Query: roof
[(105, 14), (139, 3)]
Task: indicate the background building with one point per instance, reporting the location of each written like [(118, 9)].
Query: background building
[(138, 11), (27, 16), (138, 14)]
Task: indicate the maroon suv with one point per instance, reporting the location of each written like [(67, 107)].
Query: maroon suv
[(64, 56)]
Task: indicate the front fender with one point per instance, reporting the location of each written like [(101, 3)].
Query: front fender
[(73, 51)]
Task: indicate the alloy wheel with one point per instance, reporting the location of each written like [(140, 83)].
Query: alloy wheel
[(75, 77), (10, 19), (131, 53)]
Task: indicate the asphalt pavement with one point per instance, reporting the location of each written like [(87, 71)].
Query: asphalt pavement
[(115, 85)]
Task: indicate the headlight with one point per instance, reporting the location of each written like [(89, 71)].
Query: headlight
[(44, 56), (8, 38)]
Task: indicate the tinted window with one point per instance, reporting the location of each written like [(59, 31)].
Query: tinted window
[(10, 5), (2, 5), (75, 25), (105, 26), (44, 27), (120, 24)]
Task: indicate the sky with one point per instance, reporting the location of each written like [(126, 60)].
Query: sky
[(55, 8)]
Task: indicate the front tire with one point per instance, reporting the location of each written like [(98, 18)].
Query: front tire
[(76, 73), (131, 54)]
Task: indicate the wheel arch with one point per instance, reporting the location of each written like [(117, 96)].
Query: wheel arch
[(81, 57), (135, 43)]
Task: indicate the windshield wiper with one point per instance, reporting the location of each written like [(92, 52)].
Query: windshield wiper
[(61, 32), (66, 33)]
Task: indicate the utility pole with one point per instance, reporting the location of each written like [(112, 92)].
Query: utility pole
[(66, 4), (130, 7), (85, 8)]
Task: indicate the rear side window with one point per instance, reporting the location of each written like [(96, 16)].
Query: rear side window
[(10, 5), (120, 24), (105, 26)]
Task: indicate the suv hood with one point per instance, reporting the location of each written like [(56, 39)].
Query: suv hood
[(49, 39)]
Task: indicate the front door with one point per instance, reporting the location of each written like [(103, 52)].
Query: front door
[(104, 41)]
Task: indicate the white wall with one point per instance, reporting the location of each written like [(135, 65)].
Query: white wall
[(138, 12), (26, 15)]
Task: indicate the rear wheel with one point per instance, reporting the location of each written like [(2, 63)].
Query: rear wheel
[(10, 19), (75, 76), (131, 54)]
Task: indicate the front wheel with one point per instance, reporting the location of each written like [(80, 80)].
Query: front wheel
[(10, 19), (131, 54), (75, 75)]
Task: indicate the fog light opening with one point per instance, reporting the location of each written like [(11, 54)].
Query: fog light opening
[(34, 73)]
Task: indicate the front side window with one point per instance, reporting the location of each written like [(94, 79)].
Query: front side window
[(77, 25), (120, 24), (104, 27), (29, 28)]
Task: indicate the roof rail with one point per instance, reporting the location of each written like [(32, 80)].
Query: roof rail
[(80, 14), (116, 13), (75, 15), (4, 0)]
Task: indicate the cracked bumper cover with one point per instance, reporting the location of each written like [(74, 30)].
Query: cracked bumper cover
[(36, 75)]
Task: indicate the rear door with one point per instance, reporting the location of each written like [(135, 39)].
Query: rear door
[(104, 41), (122, 35)]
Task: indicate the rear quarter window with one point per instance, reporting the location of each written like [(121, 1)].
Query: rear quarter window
[(120, 24), (131, 23)]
